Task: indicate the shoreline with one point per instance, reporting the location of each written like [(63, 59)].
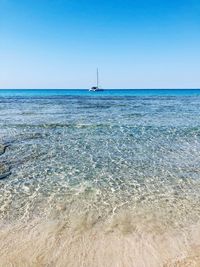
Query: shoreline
[(55, 243)]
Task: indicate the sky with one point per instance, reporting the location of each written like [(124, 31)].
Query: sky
[(134, 43)]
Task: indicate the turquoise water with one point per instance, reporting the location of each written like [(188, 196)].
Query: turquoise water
[(117, 148), (68, 154), (110, 92)]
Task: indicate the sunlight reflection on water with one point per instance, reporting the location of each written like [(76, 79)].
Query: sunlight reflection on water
[(76, 157)]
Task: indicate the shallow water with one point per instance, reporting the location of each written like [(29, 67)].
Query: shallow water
[(100, 180)]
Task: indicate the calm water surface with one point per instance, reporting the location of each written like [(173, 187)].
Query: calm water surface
[(119, 162)]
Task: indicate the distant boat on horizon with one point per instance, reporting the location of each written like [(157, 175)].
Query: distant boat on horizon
[(96, 88)]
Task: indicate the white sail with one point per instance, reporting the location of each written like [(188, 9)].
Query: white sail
[(96, 88)]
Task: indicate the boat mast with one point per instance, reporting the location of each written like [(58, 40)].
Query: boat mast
[(97, 78)]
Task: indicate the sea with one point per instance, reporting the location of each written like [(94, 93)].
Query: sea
[(100, 179)]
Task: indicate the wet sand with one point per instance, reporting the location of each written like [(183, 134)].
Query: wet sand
[(89, 243)]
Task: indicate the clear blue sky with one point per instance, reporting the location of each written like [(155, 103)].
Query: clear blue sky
[(135, 43)]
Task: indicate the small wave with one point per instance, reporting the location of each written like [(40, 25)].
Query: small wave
[(58, 125)]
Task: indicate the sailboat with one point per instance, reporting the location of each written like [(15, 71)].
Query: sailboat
[(96, 88)]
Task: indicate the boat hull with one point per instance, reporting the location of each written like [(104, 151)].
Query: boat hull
[(96, 90)]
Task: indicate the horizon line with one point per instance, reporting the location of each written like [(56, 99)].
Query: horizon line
[(164, 88)]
